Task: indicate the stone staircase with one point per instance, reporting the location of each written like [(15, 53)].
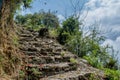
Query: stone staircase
[(45, 59)]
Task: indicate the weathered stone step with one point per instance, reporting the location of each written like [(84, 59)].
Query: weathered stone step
[(74, 75), (48, 59), (26, 39), (32, 53), (25, 35), (33, 49), (24, 32), (29, 53), (52, 69)]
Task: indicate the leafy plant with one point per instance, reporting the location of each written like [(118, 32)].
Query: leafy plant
[(63, 37), (74, 61), (35, 74), (21, 74), (62, 54), (112, 74)]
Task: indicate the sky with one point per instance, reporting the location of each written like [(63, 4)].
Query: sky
[(104, 12)]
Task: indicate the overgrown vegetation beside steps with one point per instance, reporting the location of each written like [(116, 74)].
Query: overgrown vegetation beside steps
[(9, 55)]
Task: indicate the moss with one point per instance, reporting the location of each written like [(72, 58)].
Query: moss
[(74, 61), (62, 54)]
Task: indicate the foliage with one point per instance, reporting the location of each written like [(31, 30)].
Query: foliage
[(69, 29), (10, 61), (34, 74), (63, 54), (72, 60), (71, 25), (37, 20), (53, 32), (94, 77), (89, 47), (63, 37), (112, 74), (21, 74)]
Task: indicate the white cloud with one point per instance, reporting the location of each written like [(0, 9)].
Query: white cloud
[(24, 11), (61, 17), (118, 39), (106, 12)]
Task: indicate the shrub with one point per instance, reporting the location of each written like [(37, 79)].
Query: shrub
[(71, 25), (34, 74), (63, 37), (112, 74)]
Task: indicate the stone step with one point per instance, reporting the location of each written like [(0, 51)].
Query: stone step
[(29, 53), (29, 49), (26, 35), (24, 32), (52, 69), (26, 39), (32, 53), (74, 75), (48, 59)]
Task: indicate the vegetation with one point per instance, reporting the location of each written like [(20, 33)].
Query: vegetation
[(69, 34), (37, 20), (62, 54), (9, 58), (88, 47), (74, 61), (112, 74), (34, 72)]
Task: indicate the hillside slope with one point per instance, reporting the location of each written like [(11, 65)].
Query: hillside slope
[(45, 59)]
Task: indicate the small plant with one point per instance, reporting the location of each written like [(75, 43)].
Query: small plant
[(21, 74), (63, 37), (53, 32), (34, 72), (15, 40), (72, 60), (62, 54), (94, 77), (112, 74)]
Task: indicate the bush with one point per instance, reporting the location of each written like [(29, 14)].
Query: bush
[(35, 74), (43, 32), (112, 74), (71, 25), (63, 37)]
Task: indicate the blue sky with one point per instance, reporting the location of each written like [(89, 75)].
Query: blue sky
[(104, 12), (61, 6)]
